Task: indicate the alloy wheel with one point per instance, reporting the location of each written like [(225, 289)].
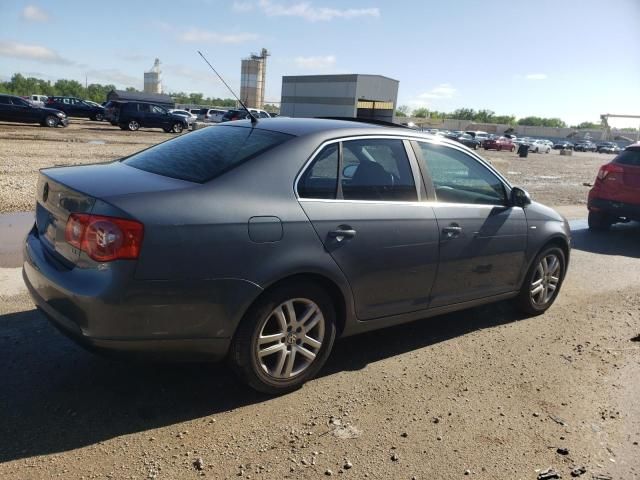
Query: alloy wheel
[(290, 338), (545, 280), (133, 125), (51, 121)]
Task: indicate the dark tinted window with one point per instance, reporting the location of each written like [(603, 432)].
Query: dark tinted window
[(20, 102), (320, 180), (4, 101), (629, 157), (459, 178), (205, 154), (377, 169)]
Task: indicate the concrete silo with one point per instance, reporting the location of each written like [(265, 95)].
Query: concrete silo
[(152, 83), (252, 79)]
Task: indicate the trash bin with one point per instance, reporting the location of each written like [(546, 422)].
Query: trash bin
[(523, 150)]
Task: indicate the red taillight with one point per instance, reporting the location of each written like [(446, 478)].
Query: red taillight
[(608, 169), (104, 238)]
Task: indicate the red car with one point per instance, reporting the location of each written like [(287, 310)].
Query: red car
[(501, 143), (615, 196)]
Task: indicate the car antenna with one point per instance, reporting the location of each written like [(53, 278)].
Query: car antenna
[(254, 120)]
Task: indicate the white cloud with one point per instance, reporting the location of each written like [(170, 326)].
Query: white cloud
[(536, 76), (316, 63), (196, 35), (442, 91), (242, 7), (310, 13), (31, 13), (113, 75), (36, 53)]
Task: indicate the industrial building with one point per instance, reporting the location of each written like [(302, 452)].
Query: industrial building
[(354, 95), (152, 81), (252, 79)]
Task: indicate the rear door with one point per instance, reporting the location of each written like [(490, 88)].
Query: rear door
[(362, 196), (482, 238)]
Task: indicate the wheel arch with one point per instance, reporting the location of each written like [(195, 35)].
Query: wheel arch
[(332, 288), (556, 240)]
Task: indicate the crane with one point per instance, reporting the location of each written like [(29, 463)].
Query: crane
[(607, 129)]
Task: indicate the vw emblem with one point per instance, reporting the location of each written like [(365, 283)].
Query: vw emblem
[(45, 192)]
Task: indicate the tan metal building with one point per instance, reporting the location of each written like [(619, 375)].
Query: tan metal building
[(252, 79)]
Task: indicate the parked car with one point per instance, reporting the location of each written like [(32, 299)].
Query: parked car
[(608, 147), (134, 115), (478, 135), (190, 117), (539, 146), (211, 114), (585, 147), (500, 143), (16, 109), (38, 100), (234, 114), (182, 251), (615, 195), (563, 145), (468, 141), (74, 107)]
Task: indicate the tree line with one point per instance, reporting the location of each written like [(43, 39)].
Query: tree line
[(96, 92)]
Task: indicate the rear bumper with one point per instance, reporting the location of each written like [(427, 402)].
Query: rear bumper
[(102, 310), (612, 207)]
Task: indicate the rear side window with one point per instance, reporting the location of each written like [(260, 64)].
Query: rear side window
[(205, 154), (629, 157), (321, 179)]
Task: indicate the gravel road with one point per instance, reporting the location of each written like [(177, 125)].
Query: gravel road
[(482, 393)]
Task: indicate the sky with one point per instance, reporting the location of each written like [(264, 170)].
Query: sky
[(572, 59)]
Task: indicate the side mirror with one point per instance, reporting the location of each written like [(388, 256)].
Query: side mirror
[(349, 171), (520, 197)]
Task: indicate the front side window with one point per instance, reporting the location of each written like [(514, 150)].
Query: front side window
[(205, 154), (459, 178), (320, 180), (377, 169)]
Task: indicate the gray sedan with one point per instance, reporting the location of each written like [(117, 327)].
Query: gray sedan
[(265, 243)]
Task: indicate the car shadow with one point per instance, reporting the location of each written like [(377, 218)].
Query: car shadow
[(56, 396), (622, 239)]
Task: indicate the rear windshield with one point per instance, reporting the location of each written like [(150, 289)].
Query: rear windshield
[(629, 157), (205, 154)]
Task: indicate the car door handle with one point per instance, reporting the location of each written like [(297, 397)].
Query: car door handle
[(341, 233), (452, 231)]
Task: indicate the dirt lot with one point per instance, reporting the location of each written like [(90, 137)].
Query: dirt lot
[(550, 178), (482, 393)]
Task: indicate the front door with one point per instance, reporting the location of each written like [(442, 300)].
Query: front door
[(482, 237), (361, 198)]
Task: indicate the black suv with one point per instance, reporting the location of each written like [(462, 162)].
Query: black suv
[(16, 109), (74, 107), (133, 115)]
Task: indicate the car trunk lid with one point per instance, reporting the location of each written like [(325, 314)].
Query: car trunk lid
[(67, 190)]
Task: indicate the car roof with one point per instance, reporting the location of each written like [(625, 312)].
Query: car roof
[(332, 128)]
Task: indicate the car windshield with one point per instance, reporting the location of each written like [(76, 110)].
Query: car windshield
[(205, 154)]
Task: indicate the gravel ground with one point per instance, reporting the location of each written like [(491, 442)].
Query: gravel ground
[(550, 178), (481, 393)]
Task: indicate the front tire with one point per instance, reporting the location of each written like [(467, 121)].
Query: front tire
[(284, 338), (98, 117), (542, 282), (177, 127), (51, 121), (599, 221)]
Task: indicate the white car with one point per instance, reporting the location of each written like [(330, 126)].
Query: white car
[(38, 100), (212, 114), (539, 146), (190, 117)]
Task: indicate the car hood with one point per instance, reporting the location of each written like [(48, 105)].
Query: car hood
[(52, 111)]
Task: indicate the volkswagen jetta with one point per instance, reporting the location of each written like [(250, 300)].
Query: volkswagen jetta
[(265, 243)]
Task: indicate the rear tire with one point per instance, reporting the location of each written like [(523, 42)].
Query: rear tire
[(599, 221), (133, 125), (98, 117), (298, 317), (543, 281)]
